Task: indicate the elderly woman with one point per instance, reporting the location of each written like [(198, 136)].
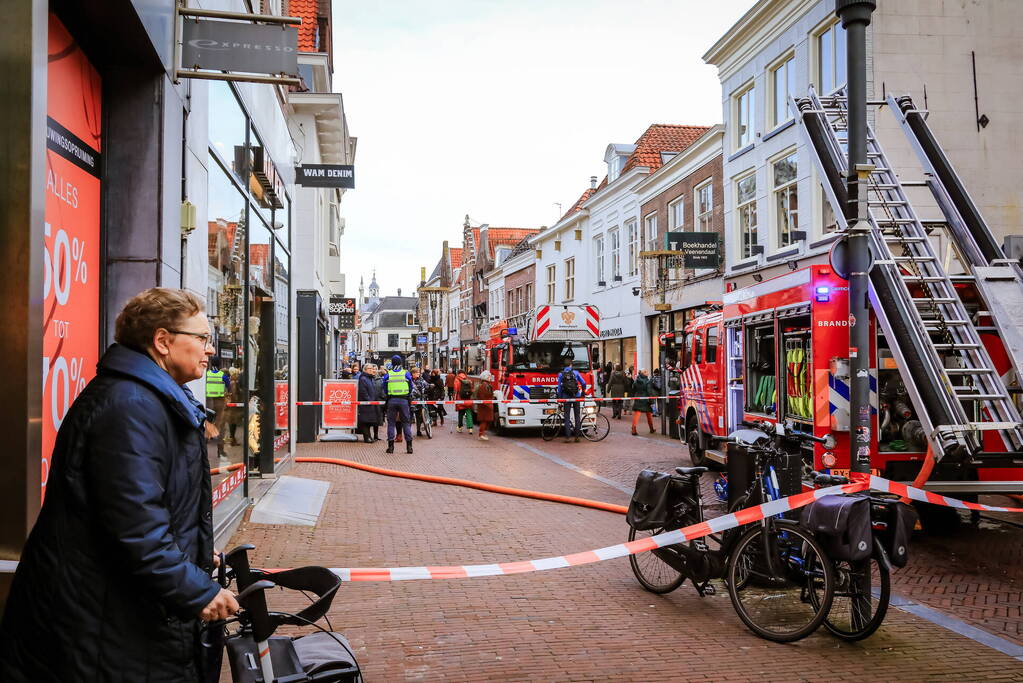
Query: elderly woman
[(484, 411), (369, 417), (115, 575)]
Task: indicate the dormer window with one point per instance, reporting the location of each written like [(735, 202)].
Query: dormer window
[(616, 157)]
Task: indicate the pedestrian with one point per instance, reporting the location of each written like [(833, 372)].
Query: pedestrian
[(484, 410), (641, 406), (657, 386), (463, 389), (449, 383), (218, 382), (419, 391), (571, 385), (616, 389), (116, 573), (234, 406), (355, 370), (436, 393), (630, 378), (369, 417), (398, 391)]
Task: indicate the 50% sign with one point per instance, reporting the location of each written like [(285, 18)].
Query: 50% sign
[(64, 264)]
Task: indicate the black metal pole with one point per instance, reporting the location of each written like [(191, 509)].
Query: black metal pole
[(855, 15)]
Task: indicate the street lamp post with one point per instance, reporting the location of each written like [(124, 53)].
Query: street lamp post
[(855, 15)]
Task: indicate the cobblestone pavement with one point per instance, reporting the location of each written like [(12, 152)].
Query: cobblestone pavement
[(591, 622)]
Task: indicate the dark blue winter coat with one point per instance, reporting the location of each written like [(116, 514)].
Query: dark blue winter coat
[(117, 568)]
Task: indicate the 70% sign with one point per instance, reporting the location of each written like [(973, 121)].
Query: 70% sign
[(62, 266)]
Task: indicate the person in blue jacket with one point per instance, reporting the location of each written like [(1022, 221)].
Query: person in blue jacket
[(398, 389), (571, 385), (116, 573)]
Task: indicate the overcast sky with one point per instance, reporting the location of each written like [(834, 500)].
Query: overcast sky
[(500, 109)]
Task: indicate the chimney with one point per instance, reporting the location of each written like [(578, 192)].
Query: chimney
[(399, 291), (593, 182), (422, 276)]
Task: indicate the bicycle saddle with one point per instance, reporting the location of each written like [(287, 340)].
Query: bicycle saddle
[(690, 470), (750, 437)]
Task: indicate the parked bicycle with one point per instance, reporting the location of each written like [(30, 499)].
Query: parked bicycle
[(255, 654), (778, 576), (593, 425)]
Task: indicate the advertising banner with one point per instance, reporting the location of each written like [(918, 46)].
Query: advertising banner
[(71, 259), (339, 416), (281, 404), (235, 46)]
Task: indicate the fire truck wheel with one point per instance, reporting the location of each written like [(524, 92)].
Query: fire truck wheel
[(696, 451)]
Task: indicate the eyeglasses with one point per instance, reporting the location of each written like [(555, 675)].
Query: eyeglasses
[(206, 339)]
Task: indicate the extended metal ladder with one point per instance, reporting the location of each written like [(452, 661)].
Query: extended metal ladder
[(929, 330)]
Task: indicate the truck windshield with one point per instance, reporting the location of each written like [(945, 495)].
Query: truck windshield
[(550, 356)]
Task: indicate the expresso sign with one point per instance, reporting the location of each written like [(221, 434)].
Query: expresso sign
[(699, 249), (234, 46), (325, 175)]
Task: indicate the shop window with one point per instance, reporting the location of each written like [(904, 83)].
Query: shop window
[(282, 356), (761, 349), (227, 128)]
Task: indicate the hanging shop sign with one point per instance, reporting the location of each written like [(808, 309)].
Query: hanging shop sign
[(339, 396), (71, 229), (344, 309), (699, 249), (234, 46), (325, 175)]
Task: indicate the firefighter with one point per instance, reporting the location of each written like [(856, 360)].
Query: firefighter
[(398, 391)]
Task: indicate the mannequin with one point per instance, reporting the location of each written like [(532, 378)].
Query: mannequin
[(252, 352)]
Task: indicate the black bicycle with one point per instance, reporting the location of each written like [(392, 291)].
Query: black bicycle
[(257, 655), (778, 576), (592, 425)]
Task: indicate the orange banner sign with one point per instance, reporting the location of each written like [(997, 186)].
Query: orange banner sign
[(335, 393)]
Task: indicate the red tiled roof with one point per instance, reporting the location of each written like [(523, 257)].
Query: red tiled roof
[(307, 30), (579, 203), (506, 237), (456, 257), (662, 137)]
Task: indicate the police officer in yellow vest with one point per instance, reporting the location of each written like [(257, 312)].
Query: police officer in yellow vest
[(217, 384), (398, 390)]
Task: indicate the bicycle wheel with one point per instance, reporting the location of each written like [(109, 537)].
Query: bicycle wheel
[(596, 427), (863, 590), (551, 426), (427, 427), (652, 572), (772, 574)]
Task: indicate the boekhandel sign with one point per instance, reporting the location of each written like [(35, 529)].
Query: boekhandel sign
[(699, 249)]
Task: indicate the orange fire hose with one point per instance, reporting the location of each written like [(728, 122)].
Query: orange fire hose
[(583, 502), (924, 474)]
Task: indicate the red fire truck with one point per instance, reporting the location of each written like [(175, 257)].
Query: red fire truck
[(525, 363), (778, 352)]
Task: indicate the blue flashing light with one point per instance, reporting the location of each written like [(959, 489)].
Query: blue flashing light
[(512, 331), (822, 294)]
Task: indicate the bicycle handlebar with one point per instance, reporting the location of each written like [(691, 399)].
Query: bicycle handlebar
[(821, 479)]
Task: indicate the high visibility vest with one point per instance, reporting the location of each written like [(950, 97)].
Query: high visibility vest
[(397, 383), (215, 384)]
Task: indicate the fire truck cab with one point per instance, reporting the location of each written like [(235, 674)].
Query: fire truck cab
[(778, 351), (525, 363)]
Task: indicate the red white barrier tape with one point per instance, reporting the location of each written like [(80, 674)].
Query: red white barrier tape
[(585, 399), (716, 525), (882, 484)]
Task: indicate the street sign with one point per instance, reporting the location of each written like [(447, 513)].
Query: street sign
[(433, 329), (344, 309), (699, 249), (325, 175), (422, 339), (235, 46)]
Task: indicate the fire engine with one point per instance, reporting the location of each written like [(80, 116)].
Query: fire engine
[(946, 339), (525, 364)]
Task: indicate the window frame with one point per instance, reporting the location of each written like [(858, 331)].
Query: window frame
[(833, 27), (677, 214), (552, 282), (708, 215), (740, 140), (569, 279), (598, 260), (787, 61), (650, 220), (791, 189), (616, 253), (632, 242), (739, 207)]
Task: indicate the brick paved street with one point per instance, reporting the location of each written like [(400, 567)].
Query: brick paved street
[(590, 622)]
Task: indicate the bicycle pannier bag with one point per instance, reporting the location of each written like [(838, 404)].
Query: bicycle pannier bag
[(900, 521), (650, 506), (842, 525)]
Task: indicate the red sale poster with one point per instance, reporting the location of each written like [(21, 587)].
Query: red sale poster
[(338, 392), (71, 268), (281, 404)]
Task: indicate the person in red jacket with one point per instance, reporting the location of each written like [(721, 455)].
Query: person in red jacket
[(463, 390)]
